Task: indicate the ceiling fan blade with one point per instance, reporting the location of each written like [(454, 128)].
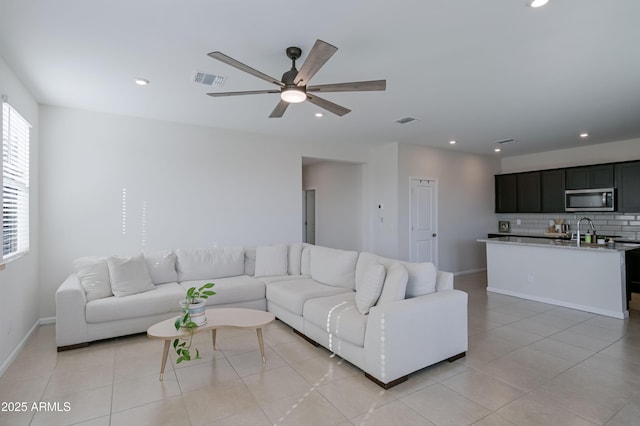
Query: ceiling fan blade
[(329, 106), (354, 86), (246, 68), (279, 110), (247, 92), (317, 57)]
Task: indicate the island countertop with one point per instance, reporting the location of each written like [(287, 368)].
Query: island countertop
[(563, 244)]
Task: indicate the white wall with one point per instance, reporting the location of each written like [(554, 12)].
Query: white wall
[(186, 186), (338, 188), (19, 301), (465, 203), (591, 154), (382, 190)]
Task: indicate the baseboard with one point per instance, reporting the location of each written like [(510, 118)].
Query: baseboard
[(469, 272), (14, 354), (50, 320)]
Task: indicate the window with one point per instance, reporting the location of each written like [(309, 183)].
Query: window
[(15, 183)]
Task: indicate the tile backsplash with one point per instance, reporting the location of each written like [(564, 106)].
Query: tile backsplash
[(624, 225)]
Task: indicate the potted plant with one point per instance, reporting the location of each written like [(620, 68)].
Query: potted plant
[(193, 316)]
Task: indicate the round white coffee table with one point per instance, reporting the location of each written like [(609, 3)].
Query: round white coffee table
[(216, 318)]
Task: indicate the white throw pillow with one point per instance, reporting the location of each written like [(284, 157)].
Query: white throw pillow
[(129, 275), (93, 274), (162, 266), (395, 284), (271, 260), (368, 292)]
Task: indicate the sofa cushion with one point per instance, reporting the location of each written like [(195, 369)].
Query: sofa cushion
[(305, 260), (209, 263), (422, 275), (129, 275), (249, 260), (395, 284), (162, 266), (162, 299), (93, 274), (230, 289), (271, 260), (334, 267), (293, 293), (339, 316), (295, 258), (368, 292)]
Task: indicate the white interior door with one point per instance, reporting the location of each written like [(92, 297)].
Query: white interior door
[(309, 219), (424, 246)]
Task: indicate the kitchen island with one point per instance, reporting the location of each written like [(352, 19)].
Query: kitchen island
[(589, 277)]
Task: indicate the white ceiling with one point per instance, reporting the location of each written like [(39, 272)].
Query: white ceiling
[(470, 70)]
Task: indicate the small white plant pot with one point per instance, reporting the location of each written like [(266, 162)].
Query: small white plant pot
[(196, 311)]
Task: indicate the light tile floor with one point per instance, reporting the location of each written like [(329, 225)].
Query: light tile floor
[(528, 364)]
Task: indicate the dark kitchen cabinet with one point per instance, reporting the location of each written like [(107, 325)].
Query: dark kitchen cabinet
[(506, 193), (552, 190), (600, 176), (528, 190), (518, 193), (628, 187)]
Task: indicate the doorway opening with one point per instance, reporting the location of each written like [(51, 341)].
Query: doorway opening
[(309, 216)]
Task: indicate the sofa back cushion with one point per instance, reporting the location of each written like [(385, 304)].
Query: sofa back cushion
[(305, 260), (395, 284), (295, 258), (271, 260), (209, 263), (129, 275), (333, 267), (249, 261), (162, 266), (93, 274)]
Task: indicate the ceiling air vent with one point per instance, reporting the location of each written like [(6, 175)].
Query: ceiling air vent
[(506, 141), (208, 79), (406, 120)]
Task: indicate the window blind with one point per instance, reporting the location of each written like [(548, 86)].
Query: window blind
[(15, 183)]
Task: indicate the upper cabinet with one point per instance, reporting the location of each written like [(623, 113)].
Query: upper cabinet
[(600, 176), (518, 193), (506, 194), (552, 191), (528, 188), (628, 186)]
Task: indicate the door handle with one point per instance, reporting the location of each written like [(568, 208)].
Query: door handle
[(434, 235)]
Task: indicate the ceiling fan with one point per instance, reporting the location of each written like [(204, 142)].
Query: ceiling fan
[(293, 87)]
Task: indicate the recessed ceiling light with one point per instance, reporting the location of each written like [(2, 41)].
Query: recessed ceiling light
[(497, 149), (319, 114), (452, 142), (536, 3), (584, 135), (142, 81)]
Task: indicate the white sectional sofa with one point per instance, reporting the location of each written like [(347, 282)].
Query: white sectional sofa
[(387, 317)]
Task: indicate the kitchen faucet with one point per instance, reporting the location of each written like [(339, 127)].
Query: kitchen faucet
[(578, 226)]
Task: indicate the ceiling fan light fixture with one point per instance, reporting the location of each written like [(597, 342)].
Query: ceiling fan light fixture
[(536, 3), (293, 95)]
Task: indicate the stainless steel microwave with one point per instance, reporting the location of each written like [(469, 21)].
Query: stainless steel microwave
[(590, 200)]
